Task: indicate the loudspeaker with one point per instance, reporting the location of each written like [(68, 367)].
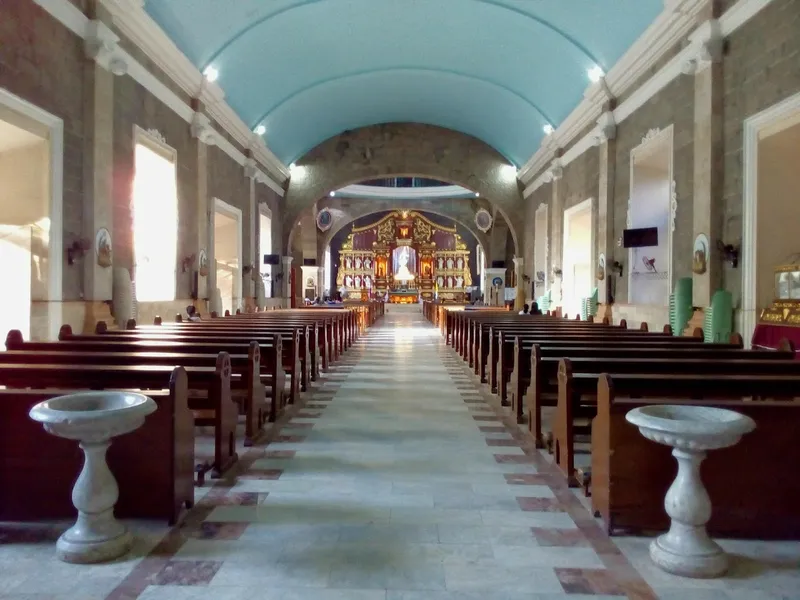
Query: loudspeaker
[(309, 262), (272, 259), (498, 264)]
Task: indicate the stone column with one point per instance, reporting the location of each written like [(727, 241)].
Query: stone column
[(606, 132), (519, 301), (106, 62), (287, 279), (556, 231), (249, 250), (205, 136), (706, 67)]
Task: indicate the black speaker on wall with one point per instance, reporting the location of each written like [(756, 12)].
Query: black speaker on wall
[(272, 259), (498, 264), (309, 262)]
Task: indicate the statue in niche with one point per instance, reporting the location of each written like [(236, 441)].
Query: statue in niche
[(358, 262), (348, 281), (367, 263), (367, 281), (348, 263), (440, 263), (449, 281), (460, 263), (440, 280), (459, 282), (450, 262), (358, 281)]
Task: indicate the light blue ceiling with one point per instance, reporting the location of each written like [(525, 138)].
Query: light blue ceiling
[(495, 69)]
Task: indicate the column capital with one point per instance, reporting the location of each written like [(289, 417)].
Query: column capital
[(102, 46), (518, 262), (251, 171), (706, 43), (202, 130), (606, 128), (287, 261), (555, 172)]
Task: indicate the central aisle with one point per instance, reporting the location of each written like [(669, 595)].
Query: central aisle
[(396, 481)]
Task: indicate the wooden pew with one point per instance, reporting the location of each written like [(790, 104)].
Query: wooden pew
[(542, 389), (249, 387), (211, 400), (752, 485), (289, 352), (711, 379), (153, 466)]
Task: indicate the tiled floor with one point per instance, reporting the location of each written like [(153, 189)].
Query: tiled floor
[(396, 481)]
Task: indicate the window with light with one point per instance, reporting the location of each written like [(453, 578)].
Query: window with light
[(155, 225)]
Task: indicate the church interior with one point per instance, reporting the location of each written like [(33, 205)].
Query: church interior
[(382, 300)]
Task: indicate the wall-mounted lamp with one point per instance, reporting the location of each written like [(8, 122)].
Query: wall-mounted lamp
[(557, 272), (525, 278), (730, 253), (616, 268), (540, 276), (77, 249)]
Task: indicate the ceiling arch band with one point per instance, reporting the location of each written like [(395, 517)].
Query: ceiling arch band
[(367, 72), (494, 3)]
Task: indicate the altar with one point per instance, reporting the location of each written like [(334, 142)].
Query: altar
[(402, 257), (781, 320), (403, 297)]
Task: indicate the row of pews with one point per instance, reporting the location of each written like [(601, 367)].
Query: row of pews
[(571, 383), (232, 376)]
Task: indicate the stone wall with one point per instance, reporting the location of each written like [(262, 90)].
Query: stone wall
[(581, 178), (674, 106), (42, 62), (762, 68)]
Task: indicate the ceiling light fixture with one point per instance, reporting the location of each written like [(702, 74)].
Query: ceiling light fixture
[(260, 130), (332, 194), (211, 73), (509, 170), (548, 129), (477, 194), (595, 74), (292, 167)]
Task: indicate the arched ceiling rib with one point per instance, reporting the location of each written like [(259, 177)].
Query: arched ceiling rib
[(304, 68)]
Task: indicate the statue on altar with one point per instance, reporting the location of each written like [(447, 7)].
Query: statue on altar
[(402, 257)]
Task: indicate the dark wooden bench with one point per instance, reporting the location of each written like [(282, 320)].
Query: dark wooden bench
[(542, 386), (209, 393), (258, 394), (153, 466), (753, 485), (290, 344), (712, 379)]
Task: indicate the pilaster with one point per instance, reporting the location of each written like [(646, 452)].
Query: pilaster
[(287, 279), (605, 200), (104, 64), (204, 134), (706, 68), (519, 301), (556, 231)]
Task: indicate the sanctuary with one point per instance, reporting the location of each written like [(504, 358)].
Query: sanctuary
[(402, 257)]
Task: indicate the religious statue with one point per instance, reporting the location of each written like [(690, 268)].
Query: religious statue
[(367, 281), (367, 263), (449, 262), (358, 262), (348, 281), (449, 281), (440, 280), (440, 262), (460, 263), (348, 263), (381, 268), (459, 282), (358, 281), (403, 274)]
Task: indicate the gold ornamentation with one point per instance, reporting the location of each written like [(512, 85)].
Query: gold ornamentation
[(422, 231), (386, 231)]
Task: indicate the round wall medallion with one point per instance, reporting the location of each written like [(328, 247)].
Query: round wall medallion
[(601, 267), (324, 219), (483, 220), (497, 281), (102, 247), (202, 263), (700, 254)]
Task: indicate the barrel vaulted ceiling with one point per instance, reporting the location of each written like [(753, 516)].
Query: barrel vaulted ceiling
[(499, 70)]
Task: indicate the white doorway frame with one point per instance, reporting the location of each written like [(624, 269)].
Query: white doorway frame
[(568, 214), (54, 128), (220, 206), (542, 208), (773, 119), (652, 142), (266, 211)]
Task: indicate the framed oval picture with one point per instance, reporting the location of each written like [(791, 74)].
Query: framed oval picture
[(102, 247), (202, 263), (700, 254), (601, 267), (497, 281), (483, 220), (324, 219)]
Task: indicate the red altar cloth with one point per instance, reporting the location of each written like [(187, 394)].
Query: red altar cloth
[(768, 336)]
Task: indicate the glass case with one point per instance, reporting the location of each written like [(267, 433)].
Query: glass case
[(787, 282)]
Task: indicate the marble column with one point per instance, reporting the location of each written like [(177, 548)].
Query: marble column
[(205, 136), (705, 65), (101, 47)]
